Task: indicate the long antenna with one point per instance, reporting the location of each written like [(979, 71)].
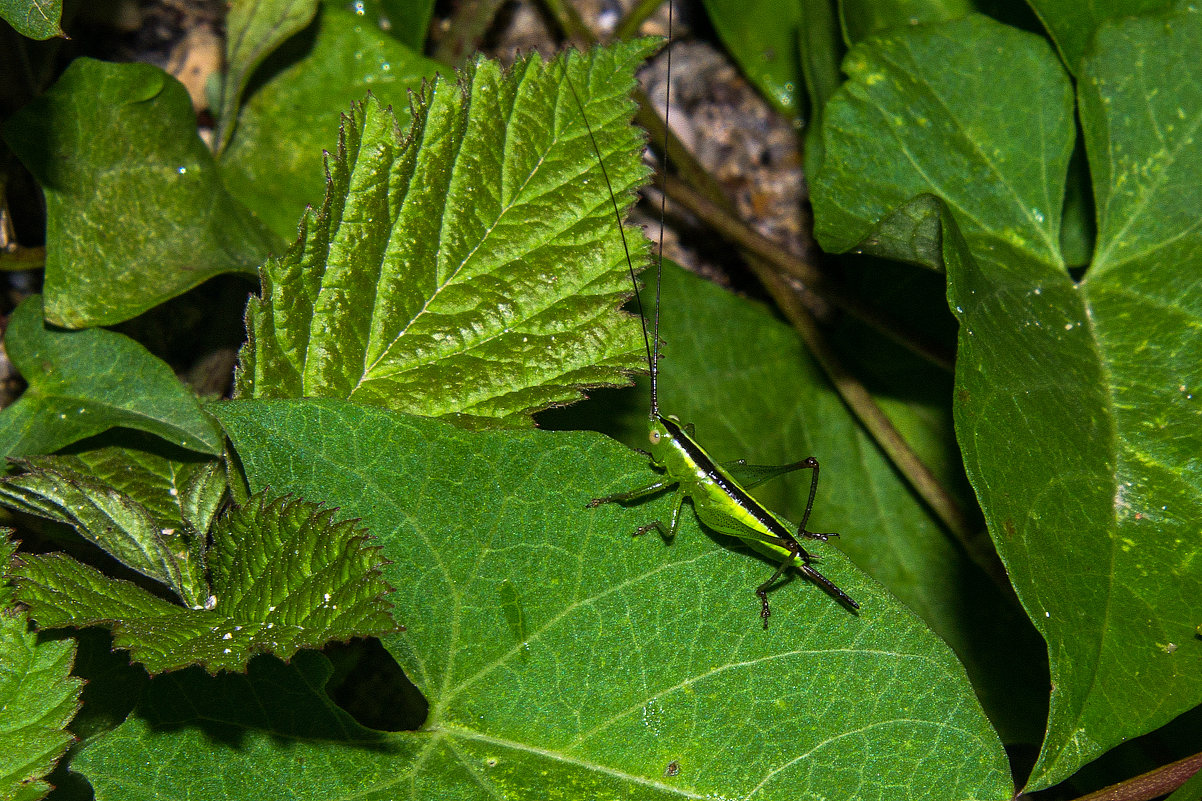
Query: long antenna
[(652, 354), (663, 203)]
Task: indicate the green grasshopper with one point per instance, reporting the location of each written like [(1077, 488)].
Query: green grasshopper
[(718, 491)]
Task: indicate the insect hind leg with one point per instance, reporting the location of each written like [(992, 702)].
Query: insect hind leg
[(799, 553), (812, 464)]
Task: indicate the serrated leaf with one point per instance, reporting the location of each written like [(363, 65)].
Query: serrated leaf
[(37, 19), (274, 162), (477, 276), (284, 577), (112, 520), (1074, 402), (558, 651), (136, 212), (38, 698), (253, 29), (82, 383)]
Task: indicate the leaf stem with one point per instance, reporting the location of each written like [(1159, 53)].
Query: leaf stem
[(1153, 784), (784, 261)]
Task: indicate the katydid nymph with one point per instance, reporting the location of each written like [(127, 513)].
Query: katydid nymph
[(718, 491)]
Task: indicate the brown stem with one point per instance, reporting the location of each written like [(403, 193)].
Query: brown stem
[(629, 26), (1150, 785), (782, 260)]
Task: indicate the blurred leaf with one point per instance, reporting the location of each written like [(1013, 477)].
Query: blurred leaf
[(136, 212), (1072, 24), (273, 164), (38, 698), (254, 28), (821, 49), (762, 35), (473, 270), (1074, 402), (863, 18), (37, 19), (636, 654), (409, 20), (284, 577), (84, 382)]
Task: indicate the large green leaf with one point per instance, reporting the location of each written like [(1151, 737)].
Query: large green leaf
[(82, 383), (285, 576), (557, 651), (38, 698), (274, 162), (1074, 402), (37, 19), (472, 269), (136, 212)]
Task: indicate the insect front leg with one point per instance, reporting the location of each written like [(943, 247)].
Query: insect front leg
[(668, 531)]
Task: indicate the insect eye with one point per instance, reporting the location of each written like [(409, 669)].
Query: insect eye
[(655, 437)]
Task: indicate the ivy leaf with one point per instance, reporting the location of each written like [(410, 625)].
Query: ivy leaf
[(477, 276), (136, 212), (37, 19), (1074, 401), (38, 698), (645, 662), (84, 382), (285, 576)]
